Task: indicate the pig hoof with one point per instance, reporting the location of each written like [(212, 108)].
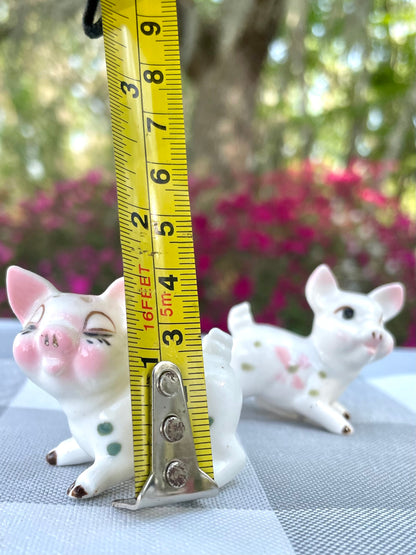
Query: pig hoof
[(77, 491), (346, 430), (51, 458)]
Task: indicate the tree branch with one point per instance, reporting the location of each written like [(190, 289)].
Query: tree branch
[(258, 23)]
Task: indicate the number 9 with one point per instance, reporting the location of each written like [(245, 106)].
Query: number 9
[(150, 27)]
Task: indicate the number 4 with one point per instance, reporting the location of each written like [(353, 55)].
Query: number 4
[(168, 282)]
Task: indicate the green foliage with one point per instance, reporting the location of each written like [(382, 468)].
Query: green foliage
[(54, 117), (340, 84)]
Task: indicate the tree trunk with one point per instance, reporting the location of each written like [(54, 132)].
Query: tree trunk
[(221, 138), (224, 59)]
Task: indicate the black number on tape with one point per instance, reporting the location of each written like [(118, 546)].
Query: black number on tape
[(150, 122), (171, 335), (149, 28), (155, 76), (129, 87), (168, 282), (160, 176), (144, 221), (166, 228)]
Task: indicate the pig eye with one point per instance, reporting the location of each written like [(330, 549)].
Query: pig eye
[(98, 323), (348, 313), (28, 329), (35, 319)]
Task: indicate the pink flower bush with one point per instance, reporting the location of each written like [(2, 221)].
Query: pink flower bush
[(257, 243), (264, 240), (68, 234)]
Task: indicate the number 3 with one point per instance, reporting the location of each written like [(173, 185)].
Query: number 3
[(171, 335), (127, 87)]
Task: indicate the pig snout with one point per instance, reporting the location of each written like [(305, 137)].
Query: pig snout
[(377, 342), (376, 336), (373, 341), (56, 341)]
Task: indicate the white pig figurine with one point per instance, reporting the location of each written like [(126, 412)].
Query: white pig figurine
[(303, 377), (75, 348)]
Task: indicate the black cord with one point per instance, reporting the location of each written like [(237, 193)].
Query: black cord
[(93, 30)]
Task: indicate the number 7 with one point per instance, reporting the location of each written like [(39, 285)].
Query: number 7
[(150, 122)]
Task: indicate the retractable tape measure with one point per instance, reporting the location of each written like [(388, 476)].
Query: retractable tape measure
[(163, 322)]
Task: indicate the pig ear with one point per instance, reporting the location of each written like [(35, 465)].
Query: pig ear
[(115, 291), (390, 297), (320, 286), (25, 290), (219, 343)]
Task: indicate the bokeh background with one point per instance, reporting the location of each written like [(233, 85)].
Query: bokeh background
[(300, 119)]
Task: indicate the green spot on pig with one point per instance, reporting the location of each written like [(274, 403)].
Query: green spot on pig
[(114, 449), (105, 428), (313, 392), (247, 367)]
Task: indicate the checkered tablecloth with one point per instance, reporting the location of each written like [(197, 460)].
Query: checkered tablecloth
[(303, 491)]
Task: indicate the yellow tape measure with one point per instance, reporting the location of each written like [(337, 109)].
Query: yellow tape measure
[(144, 80)]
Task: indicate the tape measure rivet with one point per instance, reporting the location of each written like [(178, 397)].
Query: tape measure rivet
[(173, 428), (176, 474), (168, 383)]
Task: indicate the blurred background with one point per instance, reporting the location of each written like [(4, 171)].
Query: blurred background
[(300, 119)]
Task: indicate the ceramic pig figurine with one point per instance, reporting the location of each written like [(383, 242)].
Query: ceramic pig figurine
[(303, 377), (75, 348)]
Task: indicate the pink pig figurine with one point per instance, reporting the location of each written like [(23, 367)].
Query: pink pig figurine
[(75, 348), (303, 377)]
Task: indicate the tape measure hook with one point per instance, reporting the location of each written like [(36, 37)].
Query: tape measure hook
[(175, 476)]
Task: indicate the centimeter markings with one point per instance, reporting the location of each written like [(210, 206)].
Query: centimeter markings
[(163, 323)]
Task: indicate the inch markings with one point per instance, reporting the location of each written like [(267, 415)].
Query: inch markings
[(163, 322)]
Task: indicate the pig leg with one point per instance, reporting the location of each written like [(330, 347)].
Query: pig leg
[(227, 453), (323, 414), (103, 474), (68, 452), (268, 405), (341, 409)]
